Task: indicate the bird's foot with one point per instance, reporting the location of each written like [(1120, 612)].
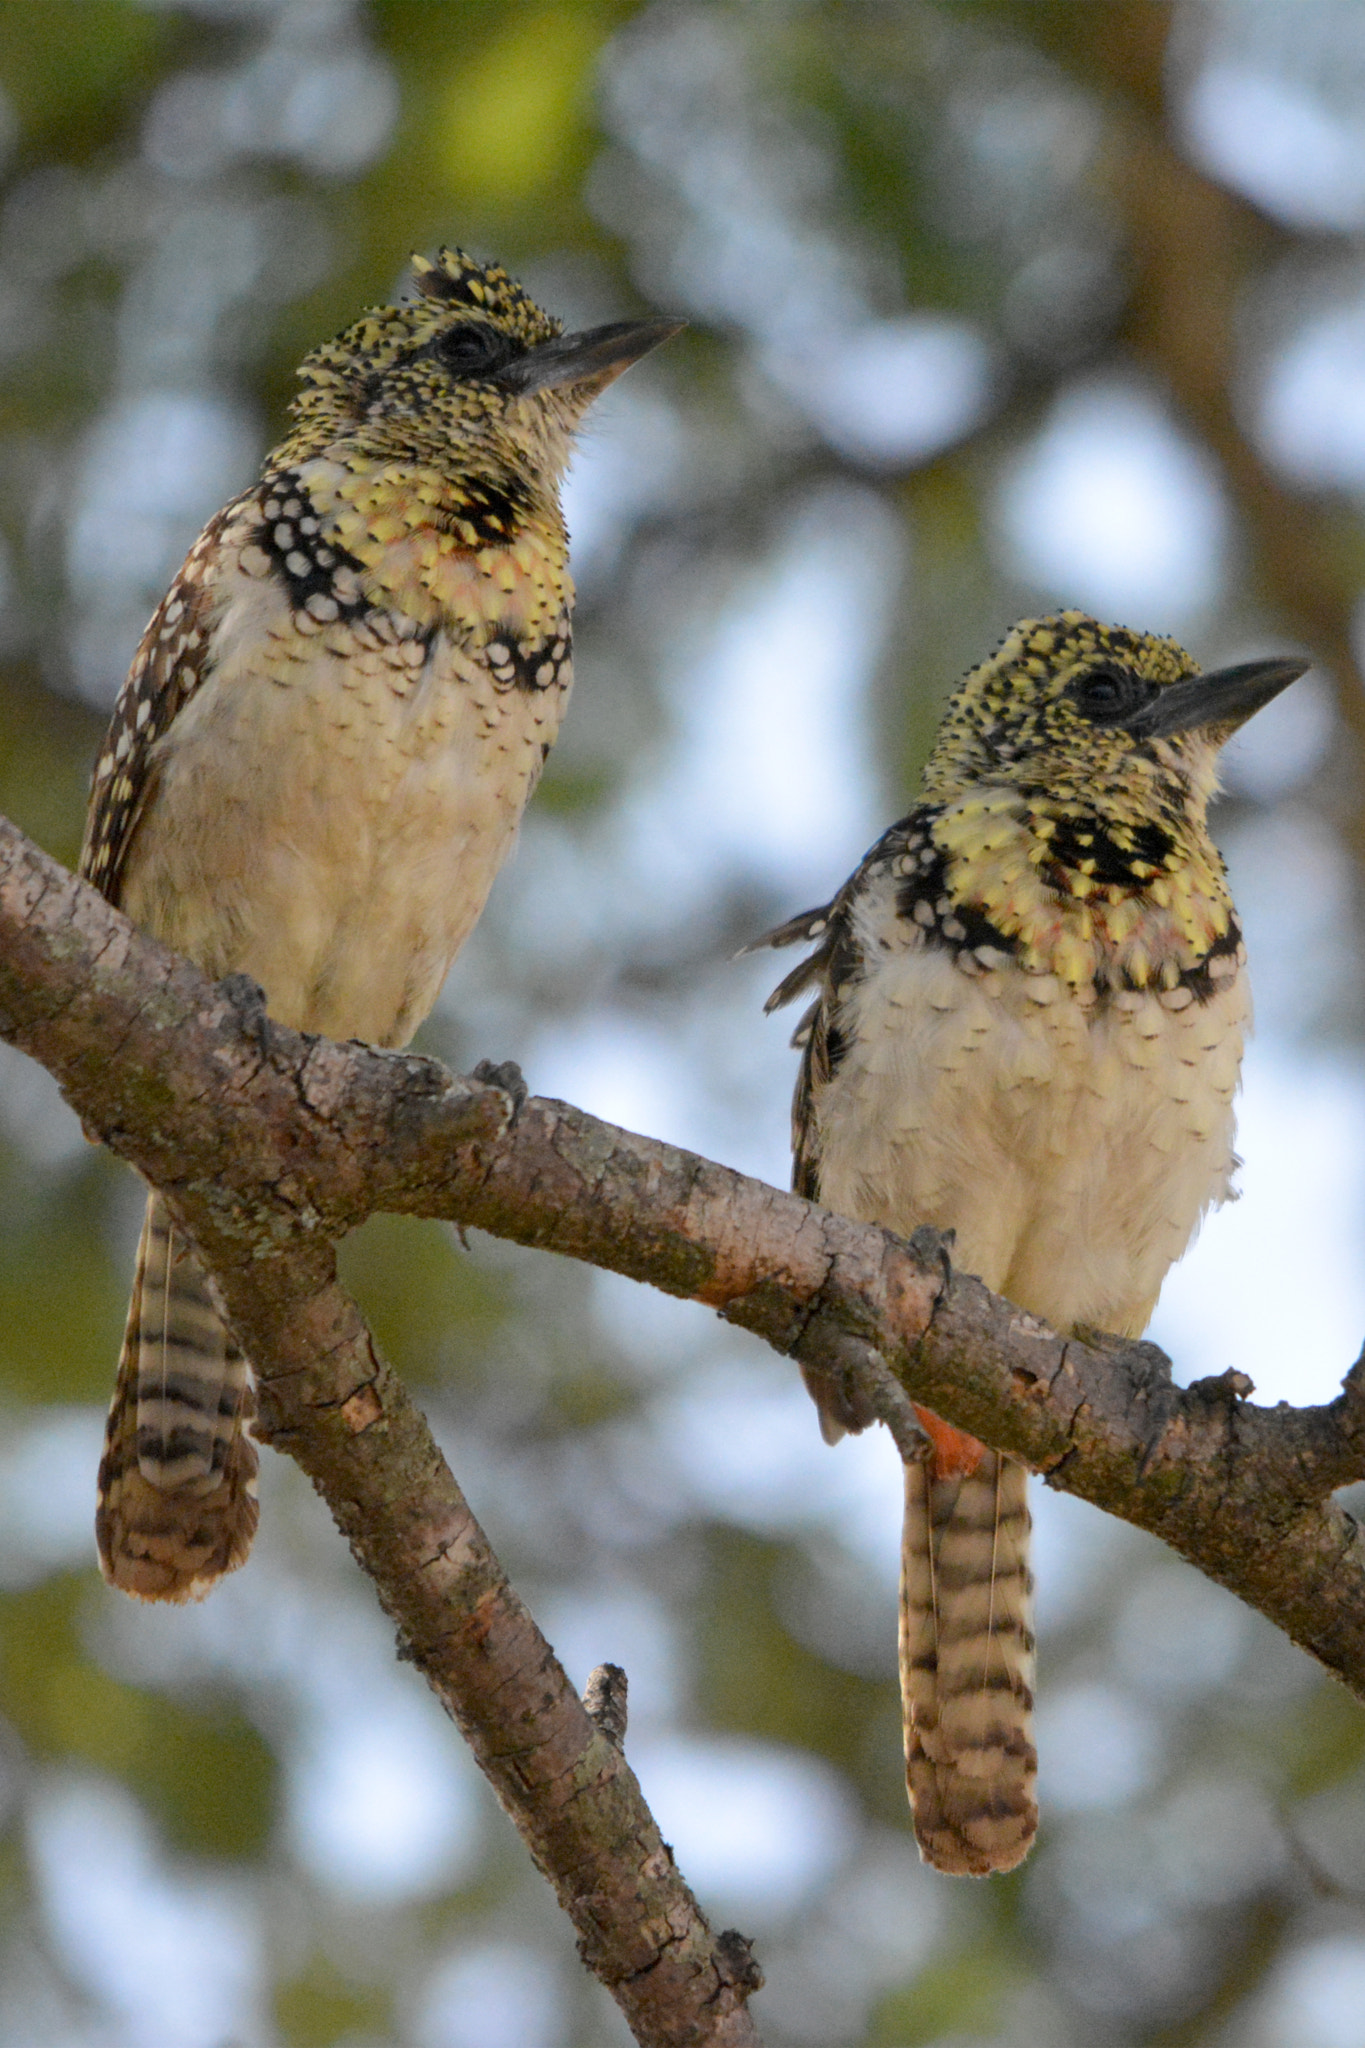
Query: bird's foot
[(507, 1075), (247, 998)]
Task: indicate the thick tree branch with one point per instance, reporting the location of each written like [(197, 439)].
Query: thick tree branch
[(332, 1402), (268, 1158), (144, 1049)]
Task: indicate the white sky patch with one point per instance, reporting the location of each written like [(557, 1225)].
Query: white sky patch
[(1310, 416), (378, 1807), (1111, 509), (621, 1068), (889, 391), (381, 1804), (771, 774), (1096, 1747), (1177, 1635), (34, 1112), (1293, 886), (756, 1828), (890, 1908), (155, 466), (1278, 142), (47, 1469), (175, 1951), (502, 1996), (1213, 1839), (677, 1078), (628, 461), (1075, 1550), (1318, 1997), (658, 1328), (1238, 1297), (742, 1434)]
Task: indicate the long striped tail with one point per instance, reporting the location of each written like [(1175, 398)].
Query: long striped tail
[(966, 1656), (177, 1486)]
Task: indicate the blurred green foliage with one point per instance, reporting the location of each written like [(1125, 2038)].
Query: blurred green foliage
[(321, 2006), (54, 1342), (206, 1775), (71, 72)]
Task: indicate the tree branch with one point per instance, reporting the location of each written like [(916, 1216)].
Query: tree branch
[(149, 1054), (269, 1156)]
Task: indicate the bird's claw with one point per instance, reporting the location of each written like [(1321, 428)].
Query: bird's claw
[(507, 1075), (247, 998)]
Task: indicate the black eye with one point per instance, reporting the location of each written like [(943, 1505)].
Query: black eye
[(1110, 696), (472, 349)]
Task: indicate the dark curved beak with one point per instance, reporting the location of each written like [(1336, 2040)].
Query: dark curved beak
[(1227, 697), (593, 358)]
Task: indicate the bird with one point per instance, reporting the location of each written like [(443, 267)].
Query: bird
[(316, 766), (1030, 1001)]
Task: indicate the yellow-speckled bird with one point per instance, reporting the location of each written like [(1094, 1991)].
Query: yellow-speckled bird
[(317, 765), (1027, 1029)]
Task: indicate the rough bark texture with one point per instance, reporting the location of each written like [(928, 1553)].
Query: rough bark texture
[(269, 1155), (251, 1151)]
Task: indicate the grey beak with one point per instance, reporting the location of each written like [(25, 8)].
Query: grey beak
[(594, 357), (1227, 697)]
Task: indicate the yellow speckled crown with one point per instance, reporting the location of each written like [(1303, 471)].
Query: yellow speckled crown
[(456, 279), (1077, 841), (454, 286), (1011, 715)]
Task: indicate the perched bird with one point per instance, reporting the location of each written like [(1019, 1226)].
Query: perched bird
[(1030, 1001), (317, 765)]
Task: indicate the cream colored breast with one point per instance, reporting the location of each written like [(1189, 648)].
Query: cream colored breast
[(366, 784), (1073, 1149)]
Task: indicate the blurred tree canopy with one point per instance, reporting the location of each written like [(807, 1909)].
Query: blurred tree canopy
[(994, 307)]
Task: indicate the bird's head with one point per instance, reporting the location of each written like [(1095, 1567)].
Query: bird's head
[(1097, 717), (470, 372)]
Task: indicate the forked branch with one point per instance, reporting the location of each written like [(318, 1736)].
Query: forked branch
[(269, 1157)]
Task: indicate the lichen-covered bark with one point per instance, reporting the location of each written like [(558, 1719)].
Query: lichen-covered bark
[(268, 1156)]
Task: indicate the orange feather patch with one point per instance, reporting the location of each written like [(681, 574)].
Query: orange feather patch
[(956, 1455)]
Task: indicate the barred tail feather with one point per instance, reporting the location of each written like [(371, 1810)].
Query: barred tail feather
[(177, 1485), (966, 1659)]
